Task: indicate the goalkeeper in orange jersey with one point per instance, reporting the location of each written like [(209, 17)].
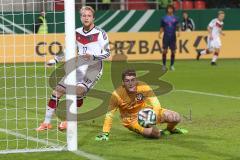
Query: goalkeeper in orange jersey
[(129, 99)]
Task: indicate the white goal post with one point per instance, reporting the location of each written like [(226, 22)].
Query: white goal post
[(71, 79), (24, 78)]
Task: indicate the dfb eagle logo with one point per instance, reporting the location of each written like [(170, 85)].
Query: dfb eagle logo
[(90, 38), (139, 97)]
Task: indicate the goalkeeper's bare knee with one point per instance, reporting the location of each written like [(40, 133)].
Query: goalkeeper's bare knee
[(176, 117), (171, 117)]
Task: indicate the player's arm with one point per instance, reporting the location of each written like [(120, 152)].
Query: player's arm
[(57, 58), (192, 24), (161, 29), (107, 125), (210, 32), (151, 99), (178, 31), (221, 32), (160, 32), (104, 43), (209, 29)]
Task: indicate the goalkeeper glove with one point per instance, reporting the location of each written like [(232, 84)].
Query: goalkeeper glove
[(102, 137)]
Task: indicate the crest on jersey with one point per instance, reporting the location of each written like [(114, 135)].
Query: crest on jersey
[(90, 38), (86, 39), (139, 97)]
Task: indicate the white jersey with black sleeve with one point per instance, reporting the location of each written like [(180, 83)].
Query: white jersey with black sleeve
[(216, 27), (94, 42)]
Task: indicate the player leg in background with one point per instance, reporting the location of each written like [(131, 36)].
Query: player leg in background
[(164, 54), (172, 60), (205, 51), (173, 51), (216, 44), (172, 119), (215, 57), (164, 59)]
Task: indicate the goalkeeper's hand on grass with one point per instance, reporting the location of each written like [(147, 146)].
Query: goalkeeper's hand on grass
[(102, 137), (51, 62)]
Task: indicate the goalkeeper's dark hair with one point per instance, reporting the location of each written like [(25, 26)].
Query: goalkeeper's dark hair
[(170, 6), (128, 72)]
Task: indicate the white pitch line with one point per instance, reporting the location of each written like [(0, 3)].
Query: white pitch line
[(87, 155), (118, 26), (78, 152), (26, 137), (109, 19), (207, 94)]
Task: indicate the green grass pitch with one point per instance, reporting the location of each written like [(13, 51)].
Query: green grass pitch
[(211, 93)]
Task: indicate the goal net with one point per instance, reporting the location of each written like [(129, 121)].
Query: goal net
[(24, 79)]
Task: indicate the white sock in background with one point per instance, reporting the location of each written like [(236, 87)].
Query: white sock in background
[(214, 59), (203, 51)]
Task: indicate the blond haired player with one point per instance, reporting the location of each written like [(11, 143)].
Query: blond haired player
[(93, 47), (214, 42), (131, 97)]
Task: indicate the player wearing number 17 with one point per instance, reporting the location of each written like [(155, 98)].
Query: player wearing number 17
[(93, 47)]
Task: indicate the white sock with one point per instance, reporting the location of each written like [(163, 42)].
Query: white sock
[(49, 113), (203, 52), (214, 59)]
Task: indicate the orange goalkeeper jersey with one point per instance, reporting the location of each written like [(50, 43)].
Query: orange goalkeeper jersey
[(130, 103)]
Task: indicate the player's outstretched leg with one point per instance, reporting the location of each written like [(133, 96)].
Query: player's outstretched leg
[(51, 107)]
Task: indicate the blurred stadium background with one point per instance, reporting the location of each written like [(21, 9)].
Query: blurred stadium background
[(201, 11)]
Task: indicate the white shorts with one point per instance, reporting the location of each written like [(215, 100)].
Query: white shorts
[(88, 73), (214, 43)]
